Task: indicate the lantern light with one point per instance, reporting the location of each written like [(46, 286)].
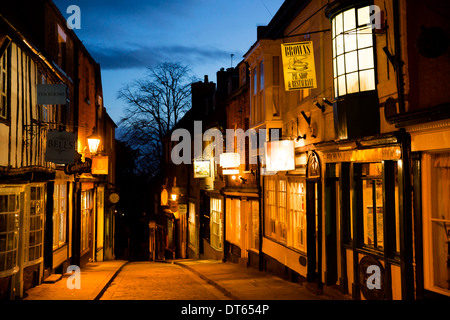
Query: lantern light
[(93, 142)]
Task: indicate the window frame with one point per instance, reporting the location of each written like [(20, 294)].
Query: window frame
[(216, 224), (12, 220), (34, 224), (60, 211), (358, 27)]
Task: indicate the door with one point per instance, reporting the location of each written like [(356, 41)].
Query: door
[(331, 226), (311, 230)]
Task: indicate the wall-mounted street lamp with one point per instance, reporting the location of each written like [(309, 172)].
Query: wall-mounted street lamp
[(93, 142)]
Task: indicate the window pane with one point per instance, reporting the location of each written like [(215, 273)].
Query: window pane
[(352, 82), (365, 58), (364, 38), (349, 19), (367, 80), (334, 68), (351, 62), (339, 26), (336, 94), (339, 44), (341, 85), (340, 65), (350, 41), (363, 16)]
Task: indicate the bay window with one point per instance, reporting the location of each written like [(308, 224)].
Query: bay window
[(285, 210), (353, 52)]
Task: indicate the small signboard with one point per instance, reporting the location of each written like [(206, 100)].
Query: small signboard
[(60, 147), (298, 65), (100, 165), (202, 169), (51, 94)]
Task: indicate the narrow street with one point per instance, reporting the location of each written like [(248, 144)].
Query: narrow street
[(159, 281), (201, 280)]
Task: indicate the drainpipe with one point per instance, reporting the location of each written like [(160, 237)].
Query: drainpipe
[(398, 55), (260, 235)]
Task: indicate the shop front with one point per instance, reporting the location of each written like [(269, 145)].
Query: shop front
[(242, 227), (22, 220), (367, 222), (430, 146)]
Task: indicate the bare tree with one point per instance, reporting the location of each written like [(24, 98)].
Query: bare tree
[(155, 104)]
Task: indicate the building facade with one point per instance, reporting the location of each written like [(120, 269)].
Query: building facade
[(348, 188), (42, 200)]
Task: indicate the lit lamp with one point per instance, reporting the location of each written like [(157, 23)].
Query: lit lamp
[(173, 196), (93, 142)]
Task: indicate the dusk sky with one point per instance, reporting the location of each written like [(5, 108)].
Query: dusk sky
[(126, 37)]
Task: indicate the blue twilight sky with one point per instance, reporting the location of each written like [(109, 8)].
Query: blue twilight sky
[(125, 37)]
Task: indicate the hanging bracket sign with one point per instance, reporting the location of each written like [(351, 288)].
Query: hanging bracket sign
[(298, 65)]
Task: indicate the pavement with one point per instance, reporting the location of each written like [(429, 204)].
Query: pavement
[(233, 281), (94, 279)]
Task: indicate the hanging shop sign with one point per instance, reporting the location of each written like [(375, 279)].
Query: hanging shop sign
[(202, 169), (100, 165), (60, 147), (79, 167), (280, 156), (164, 197), (298, 65), (51, 94), (114, 197), (230, 163)]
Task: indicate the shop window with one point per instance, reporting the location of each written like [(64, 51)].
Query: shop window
[(233, 223), (375, 199), (9, 228), (35, 232), (216, 224), (297, 213), (59, 214), (86, 208), (281, 223), (436, 186), (285, 210), (192, 225), (353, 52), (254, 227), (372, 184), (270, 206)]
